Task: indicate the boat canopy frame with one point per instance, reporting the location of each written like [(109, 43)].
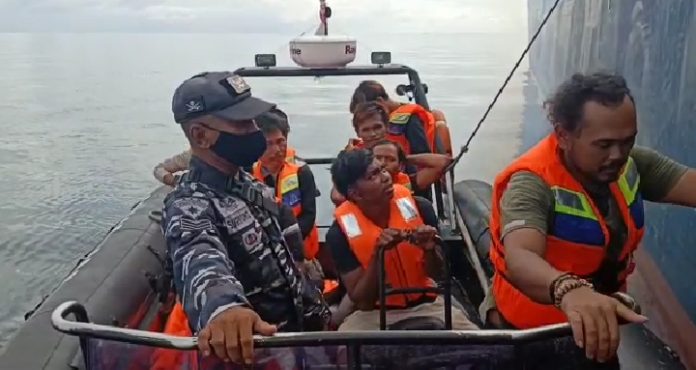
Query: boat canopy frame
[(416, 87), (419, 91)]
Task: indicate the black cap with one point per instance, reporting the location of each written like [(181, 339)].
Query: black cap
[(221, 94)]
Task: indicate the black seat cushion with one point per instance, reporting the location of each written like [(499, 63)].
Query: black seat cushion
[(473, 199)]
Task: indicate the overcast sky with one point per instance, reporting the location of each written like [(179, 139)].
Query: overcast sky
[(260, 15)]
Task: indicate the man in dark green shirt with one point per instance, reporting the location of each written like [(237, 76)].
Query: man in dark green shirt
[(595, 125)]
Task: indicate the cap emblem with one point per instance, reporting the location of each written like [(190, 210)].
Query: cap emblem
[(194, 106), (238, 84)]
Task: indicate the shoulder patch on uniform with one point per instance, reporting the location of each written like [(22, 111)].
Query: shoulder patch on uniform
[(191, 207), (400, 118)]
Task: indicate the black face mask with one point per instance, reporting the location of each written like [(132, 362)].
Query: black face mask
[(240, 150)]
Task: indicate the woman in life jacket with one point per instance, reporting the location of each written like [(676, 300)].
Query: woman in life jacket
[(428, 167)]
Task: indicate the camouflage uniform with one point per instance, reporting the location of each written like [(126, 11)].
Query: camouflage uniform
[(229, 246)]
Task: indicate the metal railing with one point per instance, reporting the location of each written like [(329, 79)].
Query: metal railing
[(354, 342), (83, 328)]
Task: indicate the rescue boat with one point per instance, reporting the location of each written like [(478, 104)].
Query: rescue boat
[(120, 298), (110, 312)]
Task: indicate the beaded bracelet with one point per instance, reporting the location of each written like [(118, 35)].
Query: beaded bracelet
[(569, 285), (558, 280)]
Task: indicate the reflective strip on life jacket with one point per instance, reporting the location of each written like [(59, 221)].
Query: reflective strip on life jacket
[(396, 128), (629, 185), (577, 239), (288, 192), (574, 218), (404, 264)]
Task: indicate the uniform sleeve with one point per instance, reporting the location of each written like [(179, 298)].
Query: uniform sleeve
[(415, 134), (344, 258), (170, 166), (526, 203), (203, 274), (658, 173), (291, 232), (308, 191)]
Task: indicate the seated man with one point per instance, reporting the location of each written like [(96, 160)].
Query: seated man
[(568, 215), (229, 250), (370, 124), (378, 214), (429, 167), (293, 185), (412, 126), (166, 171)]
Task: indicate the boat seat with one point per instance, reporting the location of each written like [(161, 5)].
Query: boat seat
[(418, 323), (473, 200)]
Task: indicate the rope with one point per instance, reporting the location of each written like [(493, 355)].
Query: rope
[(465, 147)]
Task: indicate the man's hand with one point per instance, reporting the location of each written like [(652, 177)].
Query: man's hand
[(312, 270), (169, 179), (351, 144), (594, 320), (424, 237), (390, 238), (230, 335)]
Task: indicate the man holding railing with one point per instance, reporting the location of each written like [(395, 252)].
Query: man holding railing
[(380, 215), (568, 215), (232, 266)]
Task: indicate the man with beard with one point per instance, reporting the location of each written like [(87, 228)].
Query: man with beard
[(568, 214)]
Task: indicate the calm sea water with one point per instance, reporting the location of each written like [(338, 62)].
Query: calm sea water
[(85, 117)]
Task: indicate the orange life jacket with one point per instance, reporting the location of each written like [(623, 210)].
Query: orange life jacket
[(177, 325), (405, 264), (288, 192), (397, 125), (403, 180), (577, 239), (290, 155)]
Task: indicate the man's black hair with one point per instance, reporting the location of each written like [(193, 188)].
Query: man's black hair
[(349, 167), (565, 106), (401, 155), (363, 111), (367, 91), (272, 120)]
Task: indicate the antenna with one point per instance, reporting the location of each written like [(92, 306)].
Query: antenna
[(324, 15)]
